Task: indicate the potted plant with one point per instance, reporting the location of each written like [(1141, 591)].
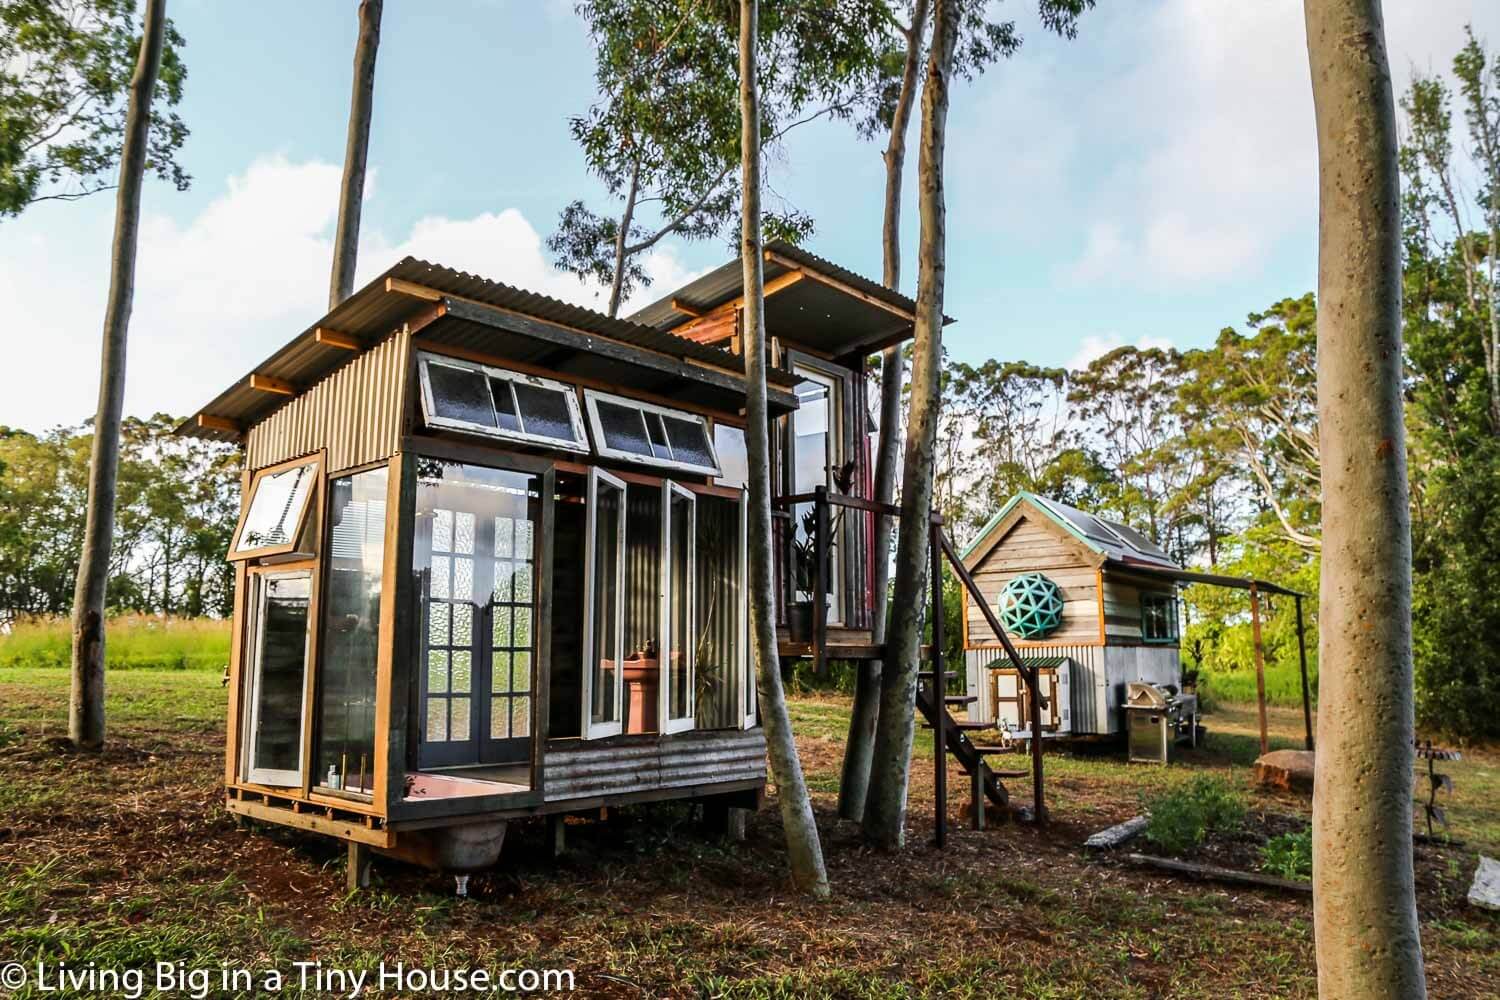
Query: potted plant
[(805, 560)]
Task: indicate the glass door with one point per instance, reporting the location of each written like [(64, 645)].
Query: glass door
[(604, 615), (679, 572), (278, 634), (475, 561), (817, 454)]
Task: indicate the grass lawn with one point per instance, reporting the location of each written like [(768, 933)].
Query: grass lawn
[(128, 858)]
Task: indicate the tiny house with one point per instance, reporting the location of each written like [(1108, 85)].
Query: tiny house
[(491, 557), (1091, 602)]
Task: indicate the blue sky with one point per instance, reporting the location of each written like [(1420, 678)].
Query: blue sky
[(1150, 182)]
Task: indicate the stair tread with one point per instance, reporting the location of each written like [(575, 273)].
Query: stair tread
[(960, 699), (994, 749), (962, 724)]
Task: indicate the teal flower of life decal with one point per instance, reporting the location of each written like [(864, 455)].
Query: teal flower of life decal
[(1031, 606)]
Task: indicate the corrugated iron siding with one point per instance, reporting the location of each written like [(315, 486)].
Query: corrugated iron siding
[(1088, 684), (355, 413), (718, 605), (700, 758)]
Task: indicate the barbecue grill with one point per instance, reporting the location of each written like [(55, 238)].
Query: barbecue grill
[(1157, 717)]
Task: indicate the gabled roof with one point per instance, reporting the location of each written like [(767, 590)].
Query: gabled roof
[(1116, 542)]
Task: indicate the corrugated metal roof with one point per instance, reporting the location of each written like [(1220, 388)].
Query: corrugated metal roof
[(1108, 538), (726, 281), (371, 313)]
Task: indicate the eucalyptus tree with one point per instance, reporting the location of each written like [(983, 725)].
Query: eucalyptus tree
[(1364, 900), (979, 42), (804, 850), (884, 820), (356, 152), (664, 135), (86, 700), (65, 71)]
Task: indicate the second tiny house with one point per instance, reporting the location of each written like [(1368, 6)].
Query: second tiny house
[(491, 560)]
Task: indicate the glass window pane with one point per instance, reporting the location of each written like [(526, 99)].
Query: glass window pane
[(500, 627), (463, 579), (276, 507), (437, 624), (282, 648), (522, 637), (523, 582), (505, 533), (505, 573), (351, 629), (689, 441), (609, 501), (499, 717), (463, 624), (680, 554), (623, 428), (440, 577), (442, 531), (734, 459), (437, 670), (520, 717), (500, 671), (437, 720), (810, 451), (545, 411), (520, 671), (463, 661), (463, 534), (525, 533), (658, 435), (460, 394), (458, 727), (505, 405)]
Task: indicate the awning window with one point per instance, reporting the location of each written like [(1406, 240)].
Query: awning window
[(636, 431), (272, 521), (466, 396)]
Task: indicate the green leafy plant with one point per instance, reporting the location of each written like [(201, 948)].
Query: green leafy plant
[(1288, 855), (1183, 817)]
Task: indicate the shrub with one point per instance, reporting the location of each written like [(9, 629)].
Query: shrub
[(1288, 855), (1182, 818)]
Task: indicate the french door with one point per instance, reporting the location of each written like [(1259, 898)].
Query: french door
[(679, 544), (476, 561)]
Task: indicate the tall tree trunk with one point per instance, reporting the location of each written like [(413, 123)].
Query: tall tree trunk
[(804, 851), (621, 237), (356, 151), (859, 749), (1364, 903), (885, 806), (86, 699)]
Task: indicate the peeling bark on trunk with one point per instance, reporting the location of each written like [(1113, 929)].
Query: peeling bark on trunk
[(1364, 904), (885, 806), (356, 152), (86, 699), (859, 749), (804, 851)]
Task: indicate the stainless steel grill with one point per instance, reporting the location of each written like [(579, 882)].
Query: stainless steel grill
[(1158, 717)]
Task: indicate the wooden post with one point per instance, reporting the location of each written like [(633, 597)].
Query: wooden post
[(357, 875), (1037, 808), (1260, 665), (1306, 692), (820, 579), (939, 692), (557, 834)]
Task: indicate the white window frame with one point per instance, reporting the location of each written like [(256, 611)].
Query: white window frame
[(749, 706), (665, 723), (833, 449), (591, 398), (273, 777), (595, 730), (580, 443)]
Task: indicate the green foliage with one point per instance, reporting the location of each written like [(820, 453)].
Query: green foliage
[(134, 642), (175, 509), (1182, 817), (1288, 855), (65, 69)]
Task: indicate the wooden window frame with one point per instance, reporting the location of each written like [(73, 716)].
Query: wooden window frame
[(590, 729), (591, 399), (318, 460), (424, 359), (667, 725), (255, 607)]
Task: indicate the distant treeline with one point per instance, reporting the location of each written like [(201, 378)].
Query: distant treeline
[(178, 503)]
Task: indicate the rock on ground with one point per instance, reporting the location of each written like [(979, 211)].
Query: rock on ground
[(1288, 770), (1485, 892)]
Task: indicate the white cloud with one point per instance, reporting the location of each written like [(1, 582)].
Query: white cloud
[(1097, 345), (1219, 160), (220, 293)]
